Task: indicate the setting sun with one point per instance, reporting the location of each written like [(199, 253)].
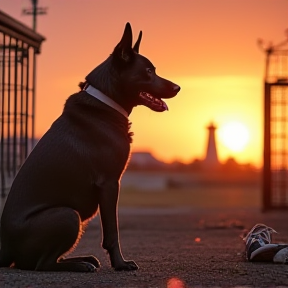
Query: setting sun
[(234, 136)]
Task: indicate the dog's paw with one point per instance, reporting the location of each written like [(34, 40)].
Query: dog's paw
[(92, 260), (126, 266), (89, 259), (87, 267)]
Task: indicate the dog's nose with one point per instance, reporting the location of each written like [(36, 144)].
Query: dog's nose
[(176, 88)]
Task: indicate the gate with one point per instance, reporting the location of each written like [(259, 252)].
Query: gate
[(275, 171), (18, 48)]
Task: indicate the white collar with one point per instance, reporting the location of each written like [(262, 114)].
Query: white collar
[(105, 99)]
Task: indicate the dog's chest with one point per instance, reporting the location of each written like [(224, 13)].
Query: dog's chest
[(100, 135), (110, 151)]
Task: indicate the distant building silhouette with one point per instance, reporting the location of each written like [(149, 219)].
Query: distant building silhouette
[(211, 158), (144, 160)]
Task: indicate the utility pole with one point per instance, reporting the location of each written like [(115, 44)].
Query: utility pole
[(34, 11)]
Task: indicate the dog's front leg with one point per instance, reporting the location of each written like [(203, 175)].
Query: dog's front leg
[(108, 210)]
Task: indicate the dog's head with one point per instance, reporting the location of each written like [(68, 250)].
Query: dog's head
[(133, 77)]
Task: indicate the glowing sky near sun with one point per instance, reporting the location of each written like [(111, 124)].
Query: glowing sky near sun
[(207, 47)]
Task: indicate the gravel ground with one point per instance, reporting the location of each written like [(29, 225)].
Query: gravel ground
[(174, 248)]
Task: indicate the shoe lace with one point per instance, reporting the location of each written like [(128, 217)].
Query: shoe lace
[(260, 232)]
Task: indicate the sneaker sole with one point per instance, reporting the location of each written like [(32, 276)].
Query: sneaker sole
[(266, 253)]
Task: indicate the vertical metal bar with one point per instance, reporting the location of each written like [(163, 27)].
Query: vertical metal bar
[(22, 156), (8, 148), (2, 168), (34, 4), (275, 138), (27, 104), (266, 200), (285, 192), (284, 145), (15, 109), (33, 99)]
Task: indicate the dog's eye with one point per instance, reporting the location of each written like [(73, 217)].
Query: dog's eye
[(149, 70)]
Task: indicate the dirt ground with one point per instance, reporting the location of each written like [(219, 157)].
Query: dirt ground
[(174, 248)]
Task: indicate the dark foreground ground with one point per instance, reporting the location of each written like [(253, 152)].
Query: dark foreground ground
[(162, 242)]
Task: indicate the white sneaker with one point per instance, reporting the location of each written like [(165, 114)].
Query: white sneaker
[(282, 256), (259, 246)]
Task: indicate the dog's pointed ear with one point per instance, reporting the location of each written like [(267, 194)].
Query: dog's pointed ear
[(124, 50), (137, 44)]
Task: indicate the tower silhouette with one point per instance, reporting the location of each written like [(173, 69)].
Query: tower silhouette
[(211, 159)]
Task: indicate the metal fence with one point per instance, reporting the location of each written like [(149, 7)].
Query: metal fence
[(18, 48), (275, 176)]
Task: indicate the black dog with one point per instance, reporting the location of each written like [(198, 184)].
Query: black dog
[(77, 165)]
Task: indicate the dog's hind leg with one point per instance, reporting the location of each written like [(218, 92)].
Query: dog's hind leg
[(50, 234)]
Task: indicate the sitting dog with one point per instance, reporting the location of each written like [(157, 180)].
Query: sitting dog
[(76, 167)]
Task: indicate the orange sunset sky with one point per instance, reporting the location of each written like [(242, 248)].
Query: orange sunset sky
[(208, 47)]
